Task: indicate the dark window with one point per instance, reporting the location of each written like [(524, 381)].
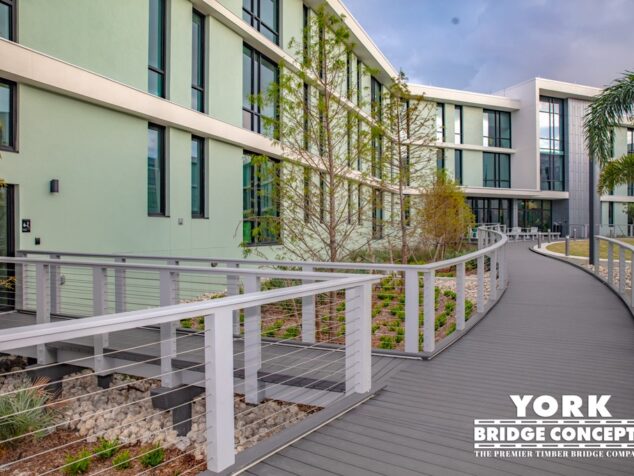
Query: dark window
[(156, 52), (496, 129), (376, 96), (264, 16), (306, 116), (491, 210), (359, 204), (497, 170), (551, 169), (440, 122), (7, 19), (551, 144), (198, 177), (407, 210), (350, 203), (440, 159), (377, 156), (458, 166), (535, 213), (377, 214), (198, 61), (630, 189), (8, 115), (349, 76), (630, 141), (457, 125), (259, 73), (610, 213), (359, 81), (260, 200), (156, 170)]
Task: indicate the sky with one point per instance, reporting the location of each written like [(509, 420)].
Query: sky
[(487, 45)]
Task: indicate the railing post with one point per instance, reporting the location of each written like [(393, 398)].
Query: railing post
[(100, 342), (460, 296), (429, 309), (176, 279), (167, 284), (567, 247), (20, 284), (493, 276), (43, 309), (412, 329), (308, 312), (252, 345), (233, 289), (55, 295), (358, 339), (502, 266), (597, 257), (621, 270), (610, 262), (480, 298), (120, 292), (219, 424)]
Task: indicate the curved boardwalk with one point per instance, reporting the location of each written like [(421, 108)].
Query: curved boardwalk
[(556, 331)]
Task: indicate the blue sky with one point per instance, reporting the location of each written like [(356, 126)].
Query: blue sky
[(486, 45)]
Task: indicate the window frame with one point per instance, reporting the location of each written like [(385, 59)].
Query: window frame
[(13, 19), (378, 215), (255, 110), (256, 22), (440, 122), (496, 140), (202, 180), (457, 124), (163, 172), (497, 180), (458, 166), (482, 207), (629, 141), (13, 116), (162, 70), (202, 63)]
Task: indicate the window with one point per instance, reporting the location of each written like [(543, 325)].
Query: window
[(156, 171), (551, 144), (198, 177), (458, 166), (322, 197), (376, 93), (491, 210), (407, 210), (440, 122), (610, 213), (260, 204), (198, 61), (7, 19), (377, 214), (457, 124), (349, 76), (630, 189), (535, 213), (259, 73), (359, 204), (307, 179), (377, 157), (497, 170), (440, 159), (496, 129), (8, 115), (359, 81), (156, 53), (630, 141), (306, 116), (350, 203), (264, 16)]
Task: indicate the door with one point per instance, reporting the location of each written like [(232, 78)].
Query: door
[(7, 247)]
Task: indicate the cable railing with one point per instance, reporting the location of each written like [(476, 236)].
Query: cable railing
[(616, 268)]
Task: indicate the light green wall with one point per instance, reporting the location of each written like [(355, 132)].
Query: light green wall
[(292, 23), (472, 125), (225, 68), (472, 168), (620, 149)]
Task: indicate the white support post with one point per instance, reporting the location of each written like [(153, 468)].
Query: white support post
[(252, 345), (20, 284), (120, 289), (309, 314), (502, 266), (43, 310), (100, 342), (480, 298), (55, 294), (358, 339), (169, 379), (429, 306), (412, 328), (493, 276), (610, 262), (621, 270), (460, 296), (597, 257), (219, 424), (233, 289), (176, 279)]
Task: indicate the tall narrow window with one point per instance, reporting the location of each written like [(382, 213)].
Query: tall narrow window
[(306, 116), (630, 189), (376, 97), (8, 113), (377, 156), (198, 61), (377, 214), (156, 53), (359, 204), (610, 213), (7, 19), (198, 177), (350, 203), (497, 170), (349, 76), (359, 82), (440, 159), (156, 171), (552, 144), (260, 200), (258, 74), (630, 141), (322, 197), (264, 16), (407, 210), (458, 166), (496, 129), (440, 122), (307, 201), (457, 124)]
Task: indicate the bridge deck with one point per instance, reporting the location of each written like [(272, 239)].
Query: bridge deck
[(556, 331)]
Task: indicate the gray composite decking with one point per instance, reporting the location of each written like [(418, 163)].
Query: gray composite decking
[(557, 330)]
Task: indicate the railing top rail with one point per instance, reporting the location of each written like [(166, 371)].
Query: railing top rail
[(24, 336), (616, 241), (315, 264)]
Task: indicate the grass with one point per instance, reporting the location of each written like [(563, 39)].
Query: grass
[(580, 248)]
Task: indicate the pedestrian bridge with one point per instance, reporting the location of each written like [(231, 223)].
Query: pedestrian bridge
[(538, 327)]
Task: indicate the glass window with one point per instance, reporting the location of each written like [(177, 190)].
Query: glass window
[(263, 15), (440, 159), (497, 170), (377, 98), (198, 177), (156, 52), (551, 144), (7, 115), (535, 213), (377, 214), (458, 166), (258, 74), (7, 19), (457, 125), (260, 204), (156, 170), (440, 122), (496, 129), (630, 141), (610, 213), (198, 61), (377, 157), (359, 81), (491, 210)]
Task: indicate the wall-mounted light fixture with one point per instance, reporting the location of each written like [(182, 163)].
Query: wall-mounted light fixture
[(54, 186)]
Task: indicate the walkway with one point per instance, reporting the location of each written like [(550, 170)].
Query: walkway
[(556, 331)]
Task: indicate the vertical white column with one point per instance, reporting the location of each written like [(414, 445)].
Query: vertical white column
[(460, 296), (308, 311), (429, 306), (610, 262), (621, 270), (252, 344), (176, 279), (43, 309), (597, 257), (219, 424), (100, 342), (120, 291), (480, 299), (233, 289), (412, 292), (358, 339), (168, 331), (493, 276), (55, 294)]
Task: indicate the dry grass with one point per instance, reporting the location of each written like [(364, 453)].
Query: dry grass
[(580, 248)]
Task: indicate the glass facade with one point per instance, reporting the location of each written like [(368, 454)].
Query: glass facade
[(496, 129), (260, 200), (198, 61), (491, 210), (535, 214), (7, 115), (458, 166), (630, 141), (259, 73), (552, 144), (440, 122), (377, 214), (457, 125), (497, 170), (7, 19), (198, 177), (156, 51), (264, 16), (156, 170)]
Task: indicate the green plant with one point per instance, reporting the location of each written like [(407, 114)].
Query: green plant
[(468, 309), (342, 331), (78, 463), (376, 311), (122, 461), (386, 342), (375, 327), (152, 457), (341, 307), (291, 332), (106, 448), (450, 294), (383, 296), (187, 323), (441, 320), (450, 306), (341, 318), (451, 329)]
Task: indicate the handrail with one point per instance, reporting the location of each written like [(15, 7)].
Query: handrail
[(610, 279)]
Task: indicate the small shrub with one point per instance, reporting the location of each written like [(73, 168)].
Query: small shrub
[(341, 318), (122, 461), (441, 320), (153, 457), (376, 311), (25, 410), (291, 332), (386, 342), (468, 309), (450, 294), (392, 327), (342, 331), (400, 315), (78, 464), (451, 329), (106, 448), (385, 304), (187, 323), (383, 296), (341, 307), (375, 327), (201, 323), (450, 306)]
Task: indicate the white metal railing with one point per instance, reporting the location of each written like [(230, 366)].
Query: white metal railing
[(619, 277)]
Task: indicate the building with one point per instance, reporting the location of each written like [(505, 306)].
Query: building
[(126, 127)]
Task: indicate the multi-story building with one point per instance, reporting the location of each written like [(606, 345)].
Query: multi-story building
[(126, 126)]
